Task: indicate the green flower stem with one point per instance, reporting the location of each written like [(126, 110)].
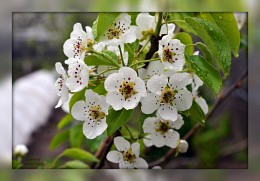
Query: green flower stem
[(159, 23), (130, 133), (106, 57), (121, 54), (104, 71), (144, 61)]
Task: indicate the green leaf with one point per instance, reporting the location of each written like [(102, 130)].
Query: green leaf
[(65, 121), (16, 164), (133, 17), (79, 154), (215, 40), (100, 89), (94, 144), (183, 25), (196, 113), (227, 23), (185, 39), (206, 72), (59, 139), (104, 21), (77, 96), (96, 60), (75, 164), (116, 119), (207, 54), (76, 136), (94, 29)]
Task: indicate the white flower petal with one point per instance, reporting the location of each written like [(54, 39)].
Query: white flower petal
[(121, 143), (64, 94), (183, 100), (180, 80), (157, 139), (103, 104), (89, 129), (68, 48), (113, 81), (92, 98), (78, 110), (101, 126), (147, 141), (114, 156), (129, 36), (155, 68), (157, 83), (140, 87), (183, 146), (131, 102), (73, 85), (136, 149), (198, 82), (116, 100), (150, 103), (60, 70), (140, 163), (167, 112), (89, 34), (128, 74), (167, 29), (149, 125), (125, 164), (178, 123), (145, 21), (202, 103), (172, 138)]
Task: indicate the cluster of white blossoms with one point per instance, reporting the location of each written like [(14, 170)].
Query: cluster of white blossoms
[(160, 88)]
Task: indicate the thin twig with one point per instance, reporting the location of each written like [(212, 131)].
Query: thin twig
[(104, 149), (221, 97)]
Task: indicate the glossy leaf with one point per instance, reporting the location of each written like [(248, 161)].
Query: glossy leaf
[(79, 154), (116, 119), (104, 21), (75, 164), (206, 72), (215, 40), (100, 89), (196, 114), (207, 54), (227, 23), (183, 25), (59, 139), (65, 121), (76, 136)]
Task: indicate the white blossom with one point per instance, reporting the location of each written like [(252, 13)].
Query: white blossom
[(20, 150), (171, 53), (125, 89), (153, 68), (126, 155), (120, 31), (80, 42), (167, 97), (161, 132), (93, 112), (60, 86), (183, 146), (78, 74), (146, 25)]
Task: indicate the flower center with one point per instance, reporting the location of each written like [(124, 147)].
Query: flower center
[(96, 113), (77, 47), (116, 30), (129, 156), (168, 95), (162, 127), (168, 55), (127, 89)]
